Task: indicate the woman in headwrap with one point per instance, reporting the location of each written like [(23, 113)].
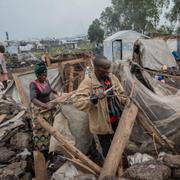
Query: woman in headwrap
[(40, 91)]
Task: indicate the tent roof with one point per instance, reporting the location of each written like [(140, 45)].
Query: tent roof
[(124, 35), (155, 54)]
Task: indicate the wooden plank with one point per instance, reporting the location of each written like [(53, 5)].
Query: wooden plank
[(2, 117), (71, 78), (48, 60), (73, 61), (20, 89), (53, 66), (120, 169), (40, 166), (61, 68), (120, 140), (71, 150)]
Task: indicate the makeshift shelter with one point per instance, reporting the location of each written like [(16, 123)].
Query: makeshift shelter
[(153, 54), (160, 105), (120, 45), (173, 42)]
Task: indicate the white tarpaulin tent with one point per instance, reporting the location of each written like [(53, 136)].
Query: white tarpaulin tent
[(120, 45)]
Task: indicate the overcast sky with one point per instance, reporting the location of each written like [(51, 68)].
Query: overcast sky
[(25, 19)]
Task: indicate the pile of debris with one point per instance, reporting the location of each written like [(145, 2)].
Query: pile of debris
[(21, 60), (168, 166), (150, 123), (65, 56), (15, 141)]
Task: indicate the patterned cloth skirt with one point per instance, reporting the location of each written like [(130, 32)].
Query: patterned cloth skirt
[(41, 137)]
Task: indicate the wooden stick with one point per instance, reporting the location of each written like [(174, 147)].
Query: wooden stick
[(71, 77), (2, 117), (70, 149), (120, 140), (40, 166), (62, 98)]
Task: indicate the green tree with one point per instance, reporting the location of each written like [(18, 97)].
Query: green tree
[(165, 29), (110, 21), (174, 14), (95, 32), (178, 31), (141, 15)]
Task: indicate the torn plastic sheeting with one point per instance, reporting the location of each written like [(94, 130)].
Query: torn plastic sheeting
[(154, 54)]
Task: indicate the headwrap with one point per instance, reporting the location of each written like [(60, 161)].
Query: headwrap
[(40, 68)]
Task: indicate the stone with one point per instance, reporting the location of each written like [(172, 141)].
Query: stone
[(172, 160), (13, 171), (149, 170), (6, 174), (21, 140), (67, 171), (18, 168), (5, 155), (138, 158)]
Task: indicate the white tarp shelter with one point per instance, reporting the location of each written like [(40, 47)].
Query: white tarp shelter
[(120, 45)]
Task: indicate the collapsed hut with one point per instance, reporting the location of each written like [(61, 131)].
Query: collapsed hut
[(149, 124)]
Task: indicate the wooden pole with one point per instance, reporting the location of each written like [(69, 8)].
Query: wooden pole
[(71, 78), (2, 117), (68, 148), (47, 58), (40, 166), (120, 140)]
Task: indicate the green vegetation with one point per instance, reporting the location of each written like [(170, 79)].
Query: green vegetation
[(95, 32), (142, 16)]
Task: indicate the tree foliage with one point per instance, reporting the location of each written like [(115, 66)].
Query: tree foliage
[(174, 13), (165, 29), (95, 32), (141, 15)]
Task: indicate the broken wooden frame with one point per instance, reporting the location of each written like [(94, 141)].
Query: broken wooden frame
[(19, 85), (73, 71)]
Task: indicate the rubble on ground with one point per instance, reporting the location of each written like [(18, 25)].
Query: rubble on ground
[(15, 141), (25, 59)]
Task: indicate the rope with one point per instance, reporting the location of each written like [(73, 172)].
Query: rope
[(154, 142)]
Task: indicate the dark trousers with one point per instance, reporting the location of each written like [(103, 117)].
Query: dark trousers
[(105, 140)]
